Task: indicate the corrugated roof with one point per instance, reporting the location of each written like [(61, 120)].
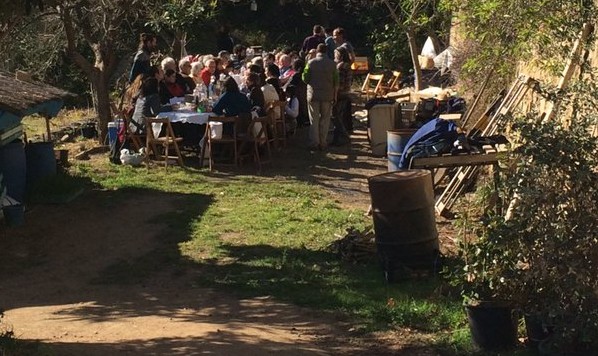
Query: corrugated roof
[(19, 97)]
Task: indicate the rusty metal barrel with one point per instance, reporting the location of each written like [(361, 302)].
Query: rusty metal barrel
[(404, 220)]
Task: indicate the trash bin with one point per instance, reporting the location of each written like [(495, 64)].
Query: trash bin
[(381, 118), (397, 140), (404, 220), (13, 168)]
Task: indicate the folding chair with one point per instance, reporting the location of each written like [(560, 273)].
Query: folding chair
[(372, 86), (153, 141), (392, 84), (278, 124), (256, 136), (136, 139), (225, 140)]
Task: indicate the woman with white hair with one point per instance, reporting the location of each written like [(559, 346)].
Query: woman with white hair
[(196, 68), (168, 63), (185, 71)]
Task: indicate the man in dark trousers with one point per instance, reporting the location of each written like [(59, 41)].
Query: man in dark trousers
[(312, 41), (321, 77)]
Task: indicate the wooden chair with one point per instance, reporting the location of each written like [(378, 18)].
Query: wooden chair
[(256, 137), (372, 85), (278, 124), (137, 139), (392, 84), (226, 140), (165, 142)]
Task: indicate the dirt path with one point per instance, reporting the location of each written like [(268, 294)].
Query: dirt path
[(50, 267)]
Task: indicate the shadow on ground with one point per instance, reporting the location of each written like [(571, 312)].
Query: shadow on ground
[(105, 273)]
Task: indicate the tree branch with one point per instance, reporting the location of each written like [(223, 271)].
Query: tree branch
[(71, 44)]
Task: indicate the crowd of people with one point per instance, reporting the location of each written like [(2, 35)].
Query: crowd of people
[(315, 82)]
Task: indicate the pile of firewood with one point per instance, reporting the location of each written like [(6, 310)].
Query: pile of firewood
[(356, 246)]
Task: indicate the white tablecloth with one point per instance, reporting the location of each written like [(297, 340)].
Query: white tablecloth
[(190, 117)]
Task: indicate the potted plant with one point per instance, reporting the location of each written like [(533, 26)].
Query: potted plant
[(484, 272)]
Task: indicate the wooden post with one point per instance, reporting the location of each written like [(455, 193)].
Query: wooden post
[(570, 67), (48, 132)]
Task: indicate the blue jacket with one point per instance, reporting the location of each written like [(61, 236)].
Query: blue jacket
[(232, 104)]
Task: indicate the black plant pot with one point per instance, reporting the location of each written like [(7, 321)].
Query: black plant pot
[(536, 329), (550, 346), (493, 325), (88, 130)]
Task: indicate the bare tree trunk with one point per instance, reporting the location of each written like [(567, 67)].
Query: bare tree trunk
[(101, 83), (414, 50)]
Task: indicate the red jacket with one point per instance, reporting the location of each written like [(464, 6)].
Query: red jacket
[(206, 76)]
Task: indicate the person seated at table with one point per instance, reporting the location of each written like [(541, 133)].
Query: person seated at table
[(301, 92), (170, 63), (147, 105), (258, 61), (291, 110), (170, 88), (238, 56), (134, 90), (185, 72), (228, 70), (231, 103), (259, 70), (196, 68), (269, 59), (270, 93), (219, 68), (272, 74), (255, 95), (286, 69), (208, 71), (224, 57)]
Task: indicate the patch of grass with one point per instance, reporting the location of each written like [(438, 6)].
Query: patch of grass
[(263, 236), (35, 125), (60, 188)]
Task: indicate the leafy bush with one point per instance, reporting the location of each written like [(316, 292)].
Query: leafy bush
[(555, 218)]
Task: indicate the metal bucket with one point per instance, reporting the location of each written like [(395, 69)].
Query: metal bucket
[(404, 220), (396, 142)]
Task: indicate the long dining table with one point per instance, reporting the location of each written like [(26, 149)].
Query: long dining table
[(188, 124)]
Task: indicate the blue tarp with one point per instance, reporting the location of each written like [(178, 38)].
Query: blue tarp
[(435, 131)]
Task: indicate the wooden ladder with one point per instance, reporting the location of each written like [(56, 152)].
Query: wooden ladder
[(485, 126)]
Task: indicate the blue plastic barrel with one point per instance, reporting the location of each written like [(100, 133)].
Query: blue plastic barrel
[(41, 162), (396, 142), (14, 215), (14, 169), (112, 133)]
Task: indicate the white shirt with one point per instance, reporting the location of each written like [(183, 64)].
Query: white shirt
[(270, 95)]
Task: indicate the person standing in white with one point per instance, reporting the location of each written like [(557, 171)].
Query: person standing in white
[(321, 76)]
